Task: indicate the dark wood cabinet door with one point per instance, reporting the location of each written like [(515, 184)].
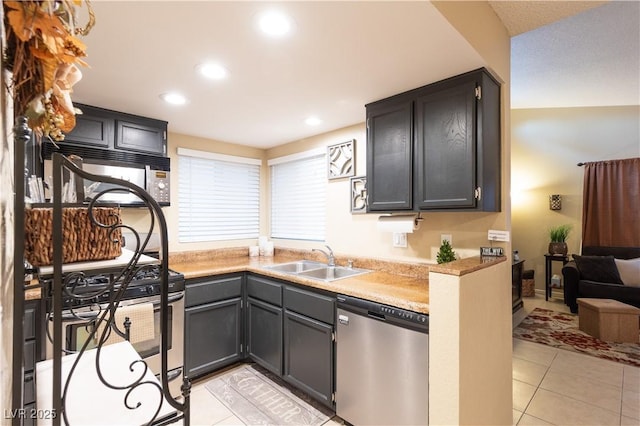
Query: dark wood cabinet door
[(213, 336), (144, 137), (446, 147), (94, 128), (264, 335), (389, 156), (33, 350), (309, 356)]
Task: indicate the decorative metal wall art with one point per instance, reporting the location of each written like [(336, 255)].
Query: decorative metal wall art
[(555, 202), (341, 159), (358, 194)]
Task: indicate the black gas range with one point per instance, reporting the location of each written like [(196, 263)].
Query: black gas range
[(88, 288)]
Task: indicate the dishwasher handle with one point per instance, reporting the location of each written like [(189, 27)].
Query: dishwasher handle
[(376, 315), (344, 319)]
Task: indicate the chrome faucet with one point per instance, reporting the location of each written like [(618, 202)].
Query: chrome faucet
[(331, 259)]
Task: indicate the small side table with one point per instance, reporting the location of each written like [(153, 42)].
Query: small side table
[(548, 259), (516, 285)]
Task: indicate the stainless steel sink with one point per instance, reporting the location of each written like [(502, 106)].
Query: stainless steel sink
[(316, 270), (332, 273), (296, 267)]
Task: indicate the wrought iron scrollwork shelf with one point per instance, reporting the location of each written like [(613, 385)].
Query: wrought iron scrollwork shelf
[(103, 318)]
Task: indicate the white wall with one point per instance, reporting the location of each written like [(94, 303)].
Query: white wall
[(6, 241)]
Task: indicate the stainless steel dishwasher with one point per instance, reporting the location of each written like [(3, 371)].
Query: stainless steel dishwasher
[(382, 364)]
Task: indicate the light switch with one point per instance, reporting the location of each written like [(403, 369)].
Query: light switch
[(399, 239), (496, 235)]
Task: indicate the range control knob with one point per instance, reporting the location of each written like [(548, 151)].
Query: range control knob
[(149, 289)]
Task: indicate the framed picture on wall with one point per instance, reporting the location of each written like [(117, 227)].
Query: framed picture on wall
[(358, 194), (341, 160)]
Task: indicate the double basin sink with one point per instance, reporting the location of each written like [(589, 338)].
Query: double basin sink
[(317, 270)]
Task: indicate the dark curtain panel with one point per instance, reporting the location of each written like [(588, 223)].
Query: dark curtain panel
[(611, 206)]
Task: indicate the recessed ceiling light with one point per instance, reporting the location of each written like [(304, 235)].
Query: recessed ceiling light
[(212, 71), (313, 121), (174, 98), (274, 23)]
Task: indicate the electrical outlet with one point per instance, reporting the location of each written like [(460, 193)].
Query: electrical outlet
[(399, 239), (446, 237), (494, 235)]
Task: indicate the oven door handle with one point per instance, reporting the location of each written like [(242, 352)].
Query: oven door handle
[(172, 299), (89, 316), (75, 317)]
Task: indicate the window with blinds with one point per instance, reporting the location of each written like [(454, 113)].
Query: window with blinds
[(298, 196), (218, 197)]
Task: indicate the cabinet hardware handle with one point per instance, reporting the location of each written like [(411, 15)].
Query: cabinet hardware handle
[(478, 193)]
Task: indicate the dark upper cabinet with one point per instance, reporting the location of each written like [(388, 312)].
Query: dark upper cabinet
[(389, 154), (103, 128), (146, 136), (94, 127), (445, 148), (455, 142)]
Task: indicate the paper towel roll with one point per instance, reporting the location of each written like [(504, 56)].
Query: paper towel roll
[(402, 224)]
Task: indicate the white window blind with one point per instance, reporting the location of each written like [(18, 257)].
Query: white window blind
[(298, 196), (218, 197)]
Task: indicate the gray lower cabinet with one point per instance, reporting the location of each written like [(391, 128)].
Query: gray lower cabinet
[(286, 329), (264, 322), (309, 348), (264, 335), (33, 335), (213, 323)]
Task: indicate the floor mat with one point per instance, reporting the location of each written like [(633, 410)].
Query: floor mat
[(257, 398), (561, 331)]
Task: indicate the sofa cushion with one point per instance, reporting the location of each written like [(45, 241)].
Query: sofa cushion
[(598, 268), (629, 271)]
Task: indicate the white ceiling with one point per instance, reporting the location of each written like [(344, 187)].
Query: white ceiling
[(340, 56), (589, 59)]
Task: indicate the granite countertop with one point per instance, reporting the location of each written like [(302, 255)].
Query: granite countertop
[(399, 284), (401, 291)]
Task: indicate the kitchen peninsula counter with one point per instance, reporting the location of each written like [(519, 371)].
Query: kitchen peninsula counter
[(399, 284)]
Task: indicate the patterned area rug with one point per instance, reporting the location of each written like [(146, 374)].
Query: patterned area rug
[(561, 331), (259, 398)]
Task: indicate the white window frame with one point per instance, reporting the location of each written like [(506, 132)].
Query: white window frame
[(210, 208)]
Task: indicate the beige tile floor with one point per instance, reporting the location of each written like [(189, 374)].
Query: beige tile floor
[(553, 386), (550, 386)]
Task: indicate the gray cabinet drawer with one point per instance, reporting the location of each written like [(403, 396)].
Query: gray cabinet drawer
[(29, 388), (30, 322), (310, 304), (206, 290), (29, 355), (264, 289)]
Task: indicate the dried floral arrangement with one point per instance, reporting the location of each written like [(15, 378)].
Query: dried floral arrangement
[(43, 52)]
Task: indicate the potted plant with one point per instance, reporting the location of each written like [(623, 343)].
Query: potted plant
[(446, 253), (558, 236)]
